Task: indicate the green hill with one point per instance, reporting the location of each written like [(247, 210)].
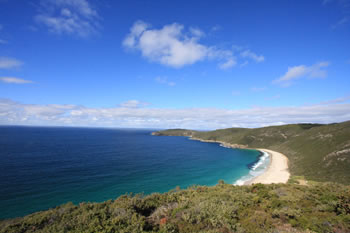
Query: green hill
[(317, 152), (224, 208)]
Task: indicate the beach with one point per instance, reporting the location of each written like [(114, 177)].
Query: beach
[(277, 171)]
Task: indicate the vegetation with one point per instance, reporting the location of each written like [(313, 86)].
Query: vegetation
[(317, 152), (320, 207)]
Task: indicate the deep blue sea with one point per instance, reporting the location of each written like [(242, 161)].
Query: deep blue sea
[(42, 167)]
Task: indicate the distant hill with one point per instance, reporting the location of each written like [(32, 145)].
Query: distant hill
[(317, 152)]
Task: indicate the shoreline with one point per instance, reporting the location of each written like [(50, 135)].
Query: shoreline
[(224, 144), (276, 172)]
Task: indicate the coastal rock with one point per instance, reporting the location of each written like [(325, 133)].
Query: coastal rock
[(224, 144)]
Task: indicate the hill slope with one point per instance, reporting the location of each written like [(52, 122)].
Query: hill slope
[(318, 152), (223, 208)]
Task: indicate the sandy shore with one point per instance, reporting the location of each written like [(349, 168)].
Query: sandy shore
[(277, 172)]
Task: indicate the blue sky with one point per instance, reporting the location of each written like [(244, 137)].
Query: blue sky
[(162, 64)]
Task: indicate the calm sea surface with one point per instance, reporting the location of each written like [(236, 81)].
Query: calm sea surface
[(43, 167)]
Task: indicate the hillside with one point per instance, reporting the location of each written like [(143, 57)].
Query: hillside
[(317, 152), (222, 208)]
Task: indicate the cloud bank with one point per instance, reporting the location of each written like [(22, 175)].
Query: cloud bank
[(176, 47), (131, 114)]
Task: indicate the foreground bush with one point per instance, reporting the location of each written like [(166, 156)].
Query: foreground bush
[(223, 208)]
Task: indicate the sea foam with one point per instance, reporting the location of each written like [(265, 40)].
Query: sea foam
[(257, 169)]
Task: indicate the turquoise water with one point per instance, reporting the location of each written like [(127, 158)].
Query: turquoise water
[(44, 167)]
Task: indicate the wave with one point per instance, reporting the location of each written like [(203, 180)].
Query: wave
[(222, 145), (256, 169)]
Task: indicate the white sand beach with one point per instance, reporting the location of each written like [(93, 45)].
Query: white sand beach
[(277, 172)]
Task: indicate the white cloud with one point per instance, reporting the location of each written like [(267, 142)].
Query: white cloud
[(167, 45), (175, 47), (12, 112), (14, 80), (74, 17), (228, 64), (9, 63), (296, 72), (133, 104), (164, 80), (135, 32), (253, 56)]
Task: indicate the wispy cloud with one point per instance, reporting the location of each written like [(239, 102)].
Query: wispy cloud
[(228, 64), (14, 80), (244, 64), (341, 3), (12, 112), (325, 2), (236, 93), (337, 100), (173, 46), (9, 63), (216, 28), (196, 32), (249, 54), (343, 6), (275, 97), (133, 104), (164, 80), (2, 41), (342, 21), (258, 89), (296, 72), (73, 17)]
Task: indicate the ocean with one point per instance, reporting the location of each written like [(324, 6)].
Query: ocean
[(43, 167)]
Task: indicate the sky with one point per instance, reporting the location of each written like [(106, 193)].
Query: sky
[(174, 64)]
